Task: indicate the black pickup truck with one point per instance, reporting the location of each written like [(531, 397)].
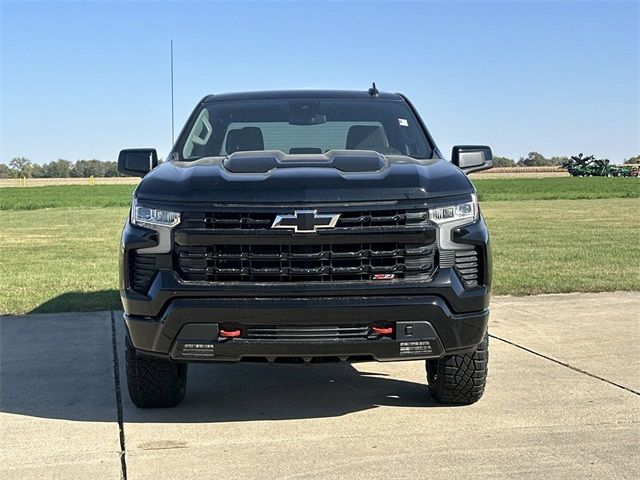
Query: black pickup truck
[(305, 227)]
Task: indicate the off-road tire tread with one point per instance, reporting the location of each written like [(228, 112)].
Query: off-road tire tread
[(154, 383), (459, 379)]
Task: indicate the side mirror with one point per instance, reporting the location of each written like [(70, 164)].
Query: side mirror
[(472, 158), (137, 162)]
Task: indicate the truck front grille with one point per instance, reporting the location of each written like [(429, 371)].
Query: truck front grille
[(304, 263), (365, 245)]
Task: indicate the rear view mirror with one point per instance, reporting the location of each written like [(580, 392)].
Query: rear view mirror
[(305, 112), (472, 158), (305, 120), (137, 161)]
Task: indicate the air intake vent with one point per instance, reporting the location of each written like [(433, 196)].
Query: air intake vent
[(446, 258), (467, 267), (263, 162), (306, 332), (142, 269)]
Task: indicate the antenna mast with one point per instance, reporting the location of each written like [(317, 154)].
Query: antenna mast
[(172, 127)]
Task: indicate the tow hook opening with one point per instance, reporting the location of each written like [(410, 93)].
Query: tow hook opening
[(229, 331), (383, 330)]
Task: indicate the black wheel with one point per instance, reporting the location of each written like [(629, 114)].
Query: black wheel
[(154, 383), (459, 379)]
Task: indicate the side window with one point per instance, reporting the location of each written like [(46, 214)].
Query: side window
[(199, 135)]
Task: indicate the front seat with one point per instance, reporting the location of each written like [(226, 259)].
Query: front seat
[(366, 137), (244, 139)]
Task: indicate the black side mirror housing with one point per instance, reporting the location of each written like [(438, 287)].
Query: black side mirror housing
[(137, 162), (472, 158)]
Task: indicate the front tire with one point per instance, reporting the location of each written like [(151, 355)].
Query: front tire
[(459, 379), (154, 383)]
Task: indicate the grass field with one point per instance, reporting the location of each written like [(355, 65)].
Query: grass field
[(489, 189), (59, 245)]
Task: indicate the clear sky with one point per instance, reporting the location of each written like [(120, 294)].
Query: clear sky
[(85, 79)]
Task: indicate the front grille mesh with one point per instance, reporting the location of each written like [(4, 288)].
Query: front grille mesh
[(343, 332), (232, 254), (220, 220), (304, 263)]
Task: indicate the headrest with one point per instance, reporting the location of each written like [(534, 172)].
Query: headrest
[(244, 139), (366, 137)]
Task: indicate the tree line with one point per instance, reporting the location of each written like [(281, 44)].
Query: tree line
[(23, 167), (535, 159)]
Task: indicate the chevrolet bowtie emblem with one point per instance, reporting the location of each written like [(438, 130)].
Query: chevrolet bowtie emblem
[(306, 221)]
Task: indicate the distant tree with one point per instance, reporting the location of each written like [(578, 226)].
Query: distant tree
[(633, 160), (38, 171), (558, 161), (58, 169), (22, 166), (111, 169), (6, 172), (503, 162), (535, 159), (87, 168)]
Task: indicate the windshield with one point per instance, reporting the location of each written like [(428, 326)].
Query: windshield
[(304, 126)]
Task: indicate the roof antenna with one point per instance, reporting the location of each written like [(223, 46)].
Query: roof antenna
[(172, 123), (373, 91)]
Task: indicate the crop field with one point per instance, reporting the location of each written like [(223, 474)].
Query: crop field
[(59, 244)]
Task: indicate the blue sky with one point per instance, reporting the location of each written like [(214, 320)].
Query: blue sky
[(85, 79)]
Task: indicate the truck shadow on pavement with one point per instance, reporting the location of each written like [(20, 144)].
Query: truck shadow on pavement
[(81, 301), (252, 392), (61, 366)]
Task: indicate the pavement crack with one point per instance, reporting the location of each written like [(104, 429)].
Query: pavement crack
[(564, 364), (116, 378)]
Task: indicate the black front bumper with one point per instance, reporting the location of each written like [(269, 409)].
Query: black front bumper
[(188, 329)]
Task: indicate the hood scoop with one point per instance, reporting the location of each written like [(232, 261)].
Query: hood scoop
[(347, 161)]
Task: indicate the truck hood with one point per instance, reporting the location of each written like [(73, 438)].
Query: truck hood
[(273, 177)]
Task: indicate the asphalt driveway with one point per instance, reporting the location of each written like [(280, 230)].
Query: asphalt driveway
[(563, 400)]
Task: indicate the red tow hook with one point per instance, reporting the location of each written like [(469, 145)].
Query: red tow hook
[(382, 330), (229, 333)]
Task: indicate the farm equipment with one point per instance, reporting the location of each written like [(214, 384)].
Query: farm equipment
[(589, 166)]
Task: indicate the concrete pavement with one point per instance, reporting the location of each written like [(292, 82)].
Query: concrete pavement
[(562, 401), (57, 397), (602, 331)]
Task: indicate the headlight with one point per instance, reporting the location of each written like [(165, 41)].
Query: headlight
[(162, 221), (461, 213), (153, 217), (452, 216)]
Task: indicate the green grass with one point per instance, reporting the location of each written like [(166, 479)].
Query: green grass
[(65, 196), (489, 189), (556, 188), (561, 246), (65, 258)]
